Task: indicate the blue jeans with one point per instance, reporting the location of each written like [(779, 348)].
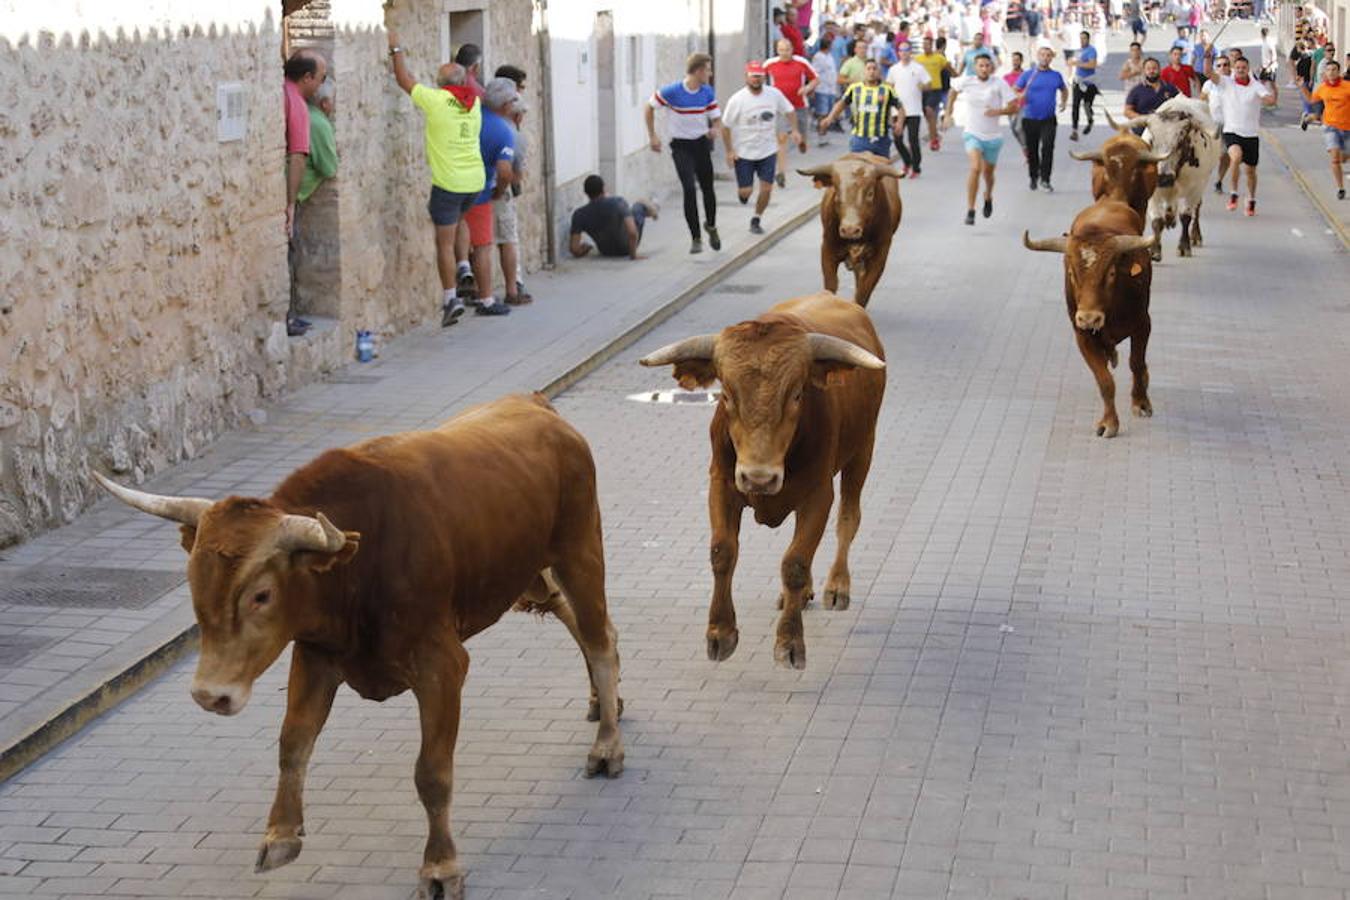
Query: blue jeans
[(880, 146)]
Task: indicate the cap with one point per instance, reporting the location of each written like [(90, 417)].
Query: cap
[(754, 67)]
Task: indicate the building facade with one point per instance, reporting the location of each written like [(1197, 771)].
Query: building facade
[(142, 248)]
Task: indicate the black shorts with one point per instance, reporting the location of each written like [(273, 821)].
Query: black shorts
[(1251, 147), (448, 208), (932, 99), (747, 169)]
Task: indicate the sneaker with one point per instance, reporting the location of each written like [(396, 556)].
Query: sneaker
[(450, 313), (1218, 188), (495, 308), (914, 174), (755, 227), (1303, 121), (780, 179), (1045, 186), (970, 217), (695, 246), (1251, 208), (934, 145), (519, 299), (1073, 135), (465, 282), (525, 295), (1340, 194), (1232, 202), (714, 239), (1088, 129), (1033, 182), (988, 207)]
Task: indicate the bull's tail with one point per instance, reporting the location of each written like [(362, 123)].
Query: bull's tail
[(540, 399)]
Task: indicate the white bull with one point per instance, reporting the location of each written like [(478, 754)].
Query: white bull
[(1184, 134)]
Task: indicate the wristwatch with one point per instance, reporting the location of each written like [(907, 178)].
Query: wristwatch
[(393, 50)]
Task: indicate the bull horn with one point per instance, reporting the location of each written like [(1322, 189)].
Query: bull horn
[(1126, 243), (1152, 157), (697, 347), (827, 348), (1122, 129), (817, 171), (1086, 155), (309, 533), (1048, 245), (184, 510)]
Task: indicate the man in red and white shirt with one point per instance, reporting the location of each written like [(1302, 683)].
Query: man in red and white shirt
[(796, 79)]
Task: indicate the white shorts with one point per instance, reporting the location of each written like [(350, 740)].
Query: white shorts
[(505, 225)]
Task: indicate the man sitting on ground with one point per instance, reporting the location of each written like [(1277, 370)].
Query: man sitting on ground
[(614, 226)]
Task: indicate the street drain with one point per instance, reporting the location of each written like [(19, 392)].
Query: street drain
[(686, 398), (89, 588)]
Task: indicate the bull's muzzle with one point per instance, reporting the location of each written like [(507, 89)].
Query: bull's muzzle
[(850, 232), (1166, 180), (759, 479), (1089, 319), (222, 699)]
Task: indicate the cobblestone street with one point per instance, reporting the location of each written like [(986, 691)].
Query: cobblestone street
[(1073, 667)]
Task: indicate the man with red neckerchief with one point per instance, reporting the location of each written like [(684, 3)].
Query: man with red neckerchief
[(1241, 98)]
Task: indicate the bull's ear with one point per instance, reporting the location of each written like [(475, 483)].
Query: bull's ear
[(695, 373), (187, 536), (317, 561)]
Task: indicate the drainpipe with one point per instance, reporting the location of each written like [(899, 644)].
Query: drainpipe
[(546, 110)]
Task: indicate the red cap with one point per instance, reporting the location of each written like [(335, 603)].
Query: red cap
[(754, 67)]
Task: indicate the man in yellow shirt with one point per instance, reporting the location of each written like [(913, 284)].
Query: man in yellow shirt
[(454, 118), (1334, 93), (939, 79)]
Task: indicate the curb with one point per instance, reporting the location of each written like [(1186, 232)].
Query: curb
[(1301, 180), (118, 687)]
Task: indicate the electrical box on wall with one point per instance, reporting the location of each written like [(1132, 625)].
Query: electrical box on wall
[(584, 65), (231, 116)]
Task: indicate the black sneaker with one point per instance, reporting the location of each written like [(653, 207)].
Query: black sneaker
[(1033, 182), (970, 217), (988, 207), (1046, 186), (1218, 188), (695, 246), (450, 313), (1088, 129), (1303, 121), (1340, 194), (496, 308), (1073, 135), (714, 239), (780, 179), (466, 283), (755, 227)]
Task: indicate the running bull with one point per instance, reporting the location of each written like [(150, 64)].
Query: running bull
[(801, 389), (433, 536), (1185, 136), (1107, 277), (859, 215)]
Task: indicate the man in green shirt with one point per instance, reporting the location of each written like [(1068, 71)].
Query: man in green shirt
[(322, 162), (454, 117)]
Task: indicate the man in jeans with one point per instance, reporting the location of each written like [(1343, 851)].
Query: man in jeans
[(691, 109), (1084, 81), (305, 73), (909, 79), (1038, 87)]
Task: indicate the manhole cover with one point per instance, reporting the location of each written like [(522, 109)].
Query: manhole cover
[(676, 397), (739, 288), (66, 586), (14, 648), (354, 379)]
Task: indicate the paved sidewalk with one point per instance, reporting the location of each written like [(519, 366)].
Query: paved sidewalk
[(1304, 155), (93, 626)]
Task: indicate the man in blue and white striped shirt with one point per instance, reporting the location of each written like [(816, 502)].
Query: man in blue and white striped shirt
[(691, 114)]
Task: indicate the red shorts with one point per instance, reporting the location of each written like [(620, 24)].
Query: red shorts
[(479, 220)]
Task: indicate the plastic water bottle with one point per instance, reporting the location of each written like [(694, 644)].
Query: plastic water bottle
[(365, 346)]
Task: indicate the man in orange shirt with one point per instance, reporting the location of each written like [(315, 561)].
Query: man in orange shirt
[(1334, 92)]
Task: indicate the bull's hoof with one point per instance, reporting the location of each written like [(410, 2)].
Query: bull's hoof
[(593, 711), (837, 598), (790, 653), (1108, 428), (275, 852), (447, 887), (1183, 250), (606, 757), (722, 643), (1142, 408)]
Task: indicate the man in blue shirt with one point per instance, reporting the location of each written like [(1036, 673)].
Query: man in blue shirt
[(497, 143), (1084, 81), (1038, 88)]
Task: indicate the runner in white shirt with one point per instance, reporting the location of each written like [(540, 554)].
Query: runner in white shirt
[(910, 80), (1241, 97), (987, 99), (1210, 92), (750, 134)]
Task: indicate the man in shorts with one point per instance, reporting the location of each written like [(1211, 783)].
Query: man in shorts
[(796, 79), (938, 69), (749, 133), (1241, 96), (613, 226), (497, 146), (1334, 93), (987, 99), (454, 118)]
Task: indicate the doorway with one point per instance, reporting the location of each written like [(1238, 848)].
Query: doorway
[(607, 139), (462, 25)]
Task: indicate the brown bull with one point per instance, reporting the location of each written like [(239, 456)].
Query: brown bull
[(446, 529), (1124, 169), (859, 215), (1107, 277), (801, 388)]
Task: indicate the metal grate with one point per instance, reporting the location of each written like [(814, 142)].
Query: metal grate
[(70, 587), (676, 397), (738, 289), (14, 649)]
